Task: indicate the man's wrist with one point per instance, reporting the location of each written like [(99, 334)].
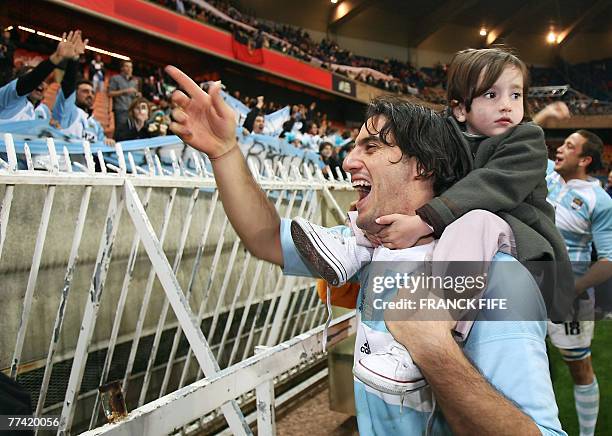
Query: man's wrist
[(225, 153), (55, 59), (432, 351)]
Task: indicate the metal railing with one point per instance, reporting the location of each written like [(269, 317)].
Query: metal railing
[(169, 413), (224, 302)]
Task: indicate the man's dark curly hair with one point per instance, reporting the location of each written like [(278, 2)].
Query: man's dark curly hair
[(423, 134)]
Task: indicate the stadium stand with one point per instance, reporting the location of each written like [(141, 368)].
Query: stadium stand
[(592, 79)]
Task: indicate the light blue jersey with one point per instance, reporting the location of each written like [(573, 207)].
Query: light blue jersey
[(74, 121), (14, 107), (583, 212), (511, 355), (42, 112)]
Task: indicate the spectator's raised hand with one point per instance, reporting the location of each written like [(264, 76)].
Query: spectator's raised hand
[(554, 111), (79, 44), (201, 119), (68, 47)]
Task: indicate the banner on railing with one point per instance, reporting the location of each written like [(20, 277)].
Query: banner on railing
[(36, 132), (259, 149), (256, 148)]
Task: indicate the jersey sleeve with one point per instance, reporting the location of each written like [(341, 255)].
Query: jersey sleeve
[(100, 136), (516, 364), (550, 167), (511, 354), (8, 95), (64, 109), (42, 112), (293, 265), (601, 225)]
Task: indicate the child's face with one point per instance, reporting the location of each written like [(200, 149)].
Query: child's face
[(498, 109)]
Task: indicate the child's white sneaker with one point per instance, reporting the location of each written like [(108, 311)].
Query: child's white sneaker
[(334, 257), (391, 371)]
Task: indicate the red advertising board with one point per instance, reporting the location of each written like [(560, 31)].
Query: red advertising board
[(160, 21)]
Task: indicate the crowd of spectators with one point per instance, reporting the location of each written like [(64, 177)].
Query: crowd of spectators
[(82, 75), (307, 128), (593, 78), (140, 95), (140, 92), (389, 74), (141, 105)]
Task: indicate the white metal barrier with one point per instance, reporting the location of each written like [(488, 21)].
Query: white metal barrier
[(171, 412), (224, 302)]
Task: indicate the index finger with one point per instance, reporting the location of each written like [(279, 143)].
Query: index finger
[(183, 80)]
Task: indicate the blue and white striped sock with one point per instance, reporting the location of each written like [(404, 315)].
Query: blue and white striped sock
[(587, 407)]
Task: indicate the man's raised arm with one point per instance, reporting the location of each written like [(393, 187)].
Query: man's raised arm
[(206, 123)]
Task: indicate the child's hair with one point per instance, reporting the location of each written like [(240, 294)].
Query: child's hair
[(473, 71)]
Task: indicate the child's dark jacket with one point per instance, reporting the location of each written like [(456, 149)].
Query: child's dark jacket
[(508, 178)]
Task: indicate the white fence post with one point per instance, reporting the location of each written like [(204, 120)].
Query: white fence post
[(164, 311), (194, 272), (266, 420), (113, 216), (33, 277), (61, 310)]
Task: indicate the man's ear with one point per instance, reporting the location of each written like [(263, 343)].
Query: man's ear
[(585, 161), (459, 112)]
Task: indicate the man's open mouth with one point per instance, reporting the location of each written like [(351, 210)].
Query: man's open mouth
[(363, 189)]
